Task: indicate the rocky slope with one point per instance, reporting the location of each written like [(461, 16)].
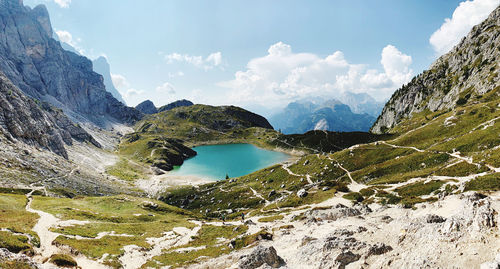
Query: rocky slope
[(42, 69), (101, 66), (38, 124), (331, 115), (461, 76)]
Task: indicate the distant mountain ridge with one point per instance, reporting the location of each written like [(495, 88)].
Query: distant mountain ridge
[(179, 103), (331, 115), (148, 107), (101, 66), (42, 69)]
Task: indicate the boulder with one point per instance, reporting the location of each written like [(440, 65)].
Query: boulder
[(431, 218), (302, 193), (261, 256), (378, 249)]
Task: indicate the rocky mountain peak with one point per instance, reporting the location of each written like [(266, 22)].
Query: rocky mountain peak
[(42, 69), (463, 75), (101, 66), (147, 107), (41, 14)]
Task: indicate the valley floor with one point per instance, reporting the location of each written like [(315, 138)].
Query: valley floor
[(459, 231)]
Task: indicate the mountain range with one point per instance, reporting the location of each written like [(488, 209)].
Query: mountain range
[(331, 115), (84, 179), (38, 65)]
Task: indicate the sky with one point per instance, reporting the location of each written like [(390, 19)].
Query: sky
[(262, 54)]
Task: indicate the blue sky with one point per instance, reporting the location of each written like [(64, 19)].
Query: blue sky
[(261, 52)]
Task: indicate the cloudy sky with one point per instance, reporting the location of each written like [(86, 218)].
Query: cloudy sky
[(262, 53)]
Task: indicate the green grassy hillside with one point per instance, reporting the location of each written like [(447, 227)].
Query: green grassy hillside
[(164, 139), (428, 155)]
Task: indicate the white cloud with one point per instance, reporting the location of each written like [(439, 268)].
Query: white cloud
[(465, 16), (396, 64), (123, 86), (67, 37), (132, 92), (214, 59), (283, 76), (119, 81), (63, 3), (166, 88), (207, 63)]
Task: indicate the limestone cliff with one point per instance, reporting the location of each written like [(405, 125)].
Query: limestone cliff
[(461, 76), (42, 69), (35, 123)]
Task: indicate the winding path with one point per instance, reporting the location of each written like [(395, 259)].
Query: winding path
[(47, 237), (287, 169), (354, 186)]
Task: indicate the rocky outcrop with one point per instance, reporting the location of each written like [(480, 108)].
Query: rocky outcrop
[(337, 212), (43, 70), (165, 152), (179, 103), (147, 107), (261, 256), (101, 66), (37, 124), (17, 259), (463, 75)]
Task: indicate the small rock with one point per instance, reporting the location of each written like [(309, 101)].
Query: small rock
[(249, 222), (302, 193), (346, 258), (386, 219), (378, 249), (431, 218), (271, 193), (306, 240)]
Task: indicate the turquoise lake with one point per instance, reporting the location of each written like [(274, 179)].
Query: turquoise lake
[(215, 161)]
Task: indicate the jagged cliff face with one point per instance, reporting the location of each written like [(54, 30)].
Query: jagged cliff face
[(459, 77), (42, 69), (37, 124)]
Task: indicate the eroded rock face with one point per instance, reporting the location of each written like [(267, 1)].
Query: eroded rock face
[(337, 212), (261, 256), (338, 249), (465, 72), (22, 119), (42, 69)]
